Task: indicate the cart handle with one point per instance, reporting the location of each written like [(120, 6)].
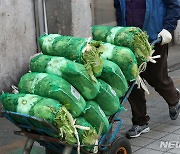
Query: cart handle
[(158, 40)]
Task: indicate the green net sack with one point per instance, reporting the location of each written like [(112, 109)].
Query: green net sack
[(54, 87), (87, 136), (45, 43), (124, 58), (113, 75), (80, 50), (33, 105), (10, 101), (131, 37), (43, 108), (100, 33), (107, 99), (29, 104), (96, 117), (74, 73), (46, 108)]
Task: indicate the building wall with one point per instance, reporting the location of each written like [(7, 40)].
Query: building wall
[(59, 16), (177, 34), (103, 12), (69, 17), (17, 40), (81, 18)]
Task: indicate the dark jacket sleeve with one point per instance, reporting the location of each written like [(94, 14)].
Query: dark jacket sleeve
[(118, 12), (172, 14)]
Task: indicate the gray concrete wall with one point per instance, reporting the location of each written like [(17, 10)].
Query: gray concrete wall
[(81, 18), (104, 13), (59, 16), (17, 40), (69, 17)]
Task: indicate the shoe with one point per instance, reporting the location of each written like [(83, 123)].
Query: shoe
[(174, 111), (137, 130)]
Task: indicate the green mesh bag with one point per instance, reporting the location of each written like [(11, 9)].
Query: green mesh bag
[(29, 104), (107, 99), (46, 108), (100, 33), (96, 117), (131, 37), (80, 50), (54, 87), (10, 101), (43, 108), (113, 75), (68, 47), (45, 43), (74, 73), (124, 58), (87, 137)]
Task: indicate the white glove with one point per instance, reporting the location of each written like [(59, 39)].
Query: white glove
[(166, 36)]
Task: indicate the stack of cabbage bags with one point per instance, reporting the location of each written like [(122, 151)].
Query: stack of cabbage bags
[(73, 86), (77, 83)]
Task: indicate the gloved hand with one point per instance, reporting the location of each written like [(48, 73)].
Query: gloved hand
[(166, 36)]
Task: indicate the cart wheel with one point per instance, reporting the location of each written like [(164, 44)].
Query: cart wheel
[(120, 146)]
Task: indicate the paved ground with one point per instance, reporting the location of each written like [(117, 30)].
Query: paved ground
[(162, 128)]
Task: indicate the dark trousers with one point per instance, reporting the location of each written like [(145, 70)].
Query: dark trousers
[(157, 76)]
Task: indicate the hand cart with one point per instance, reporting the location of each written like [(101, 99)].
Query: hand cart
[(39, 130)]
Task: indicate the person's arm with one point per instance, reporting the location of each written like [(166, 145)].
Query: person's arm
[(118, 12), (172, 14), (170, 22)]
